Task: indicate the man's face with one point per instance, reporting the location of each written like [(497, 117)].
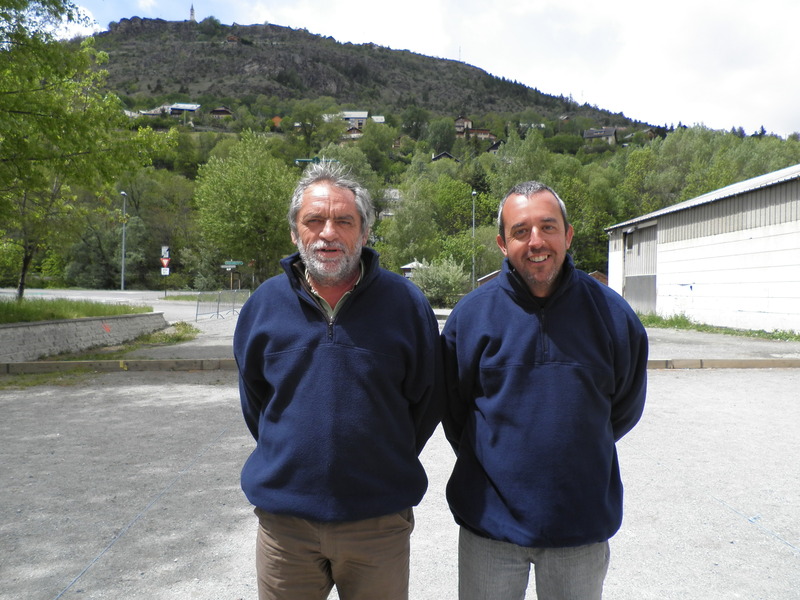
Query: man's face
[(329, 236), (536, 241)]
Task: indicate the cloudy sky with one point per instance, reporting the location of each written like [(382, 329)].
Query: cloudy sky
[(718, 63)]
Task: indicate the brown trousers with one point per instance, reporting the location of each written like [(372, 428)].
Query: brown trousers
[(298, 559)]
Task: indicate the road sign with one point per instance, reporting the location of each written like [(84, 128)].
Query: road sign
[(165, 262), (234, 262), (165, 270)]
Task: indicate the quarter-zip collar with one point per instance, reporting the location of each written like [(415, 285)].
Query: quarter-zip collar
[(516, 287)]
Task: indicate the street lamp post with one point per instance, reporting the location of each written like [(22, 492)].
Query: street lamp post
[(474, 193), (124, 220)]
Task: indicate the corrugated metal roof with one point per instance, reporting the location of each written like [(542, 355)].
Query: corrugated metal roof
[(185, 106), (734, 189)]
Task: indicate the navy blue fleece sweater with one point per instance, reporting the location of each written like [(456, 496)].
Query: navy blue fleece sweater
[(340, 410), (537, 397)]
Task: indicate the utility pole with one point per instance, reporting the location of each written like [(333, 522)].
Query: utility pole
[(474, 193), (124, 222)]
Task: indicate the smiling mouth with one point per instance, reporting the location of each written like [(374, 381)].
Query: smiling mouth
[(538, 259)]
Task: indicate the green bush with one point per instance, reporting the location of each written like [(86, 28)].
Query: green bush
[(443, 281)]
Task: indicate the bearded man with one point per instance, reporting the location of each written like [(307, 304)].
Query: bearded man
[(338, 364)]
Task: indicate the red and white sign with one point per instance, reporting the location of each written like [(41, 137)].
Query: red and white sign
[(165, 262)]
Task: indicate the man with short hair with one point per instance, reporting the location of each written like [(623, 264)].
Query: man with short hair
[(338, 361), (545, 370)]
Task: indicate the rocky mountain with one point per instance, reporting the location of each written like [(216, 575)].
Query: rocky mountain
[(212, 62)]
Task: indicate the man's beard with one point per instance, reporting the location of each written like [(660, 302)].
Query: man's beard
[(330, 272)]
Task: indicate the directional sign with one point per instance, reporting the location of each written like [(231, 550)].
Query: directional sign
[(165, 262), (165, 270), (234, 262)]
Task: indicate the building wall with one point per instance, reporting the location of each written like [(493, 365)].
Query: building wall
[(615, 261), (747, 279), (733, 262)]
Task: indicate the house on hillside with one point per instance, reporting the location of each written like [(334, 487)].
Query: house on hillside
[(495, 147), (179, 109), (174, 110), (159, 111), (729, 258), (481, 134), (606, 134), (221, 112), (462, 125), (356, 118)]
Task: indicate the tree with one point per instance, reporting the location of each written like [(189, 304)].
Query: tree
[(442, 281), (59, 127), (441, 135), (314, 124), (414, 121), (376, 144), (242, 202), (410, 234)]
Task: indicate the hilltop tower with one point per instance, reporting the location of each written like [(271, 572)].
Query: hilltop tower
[(191, 14)]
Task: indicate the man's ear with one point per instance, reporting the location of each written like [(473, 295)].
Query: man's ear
[(501, 243)]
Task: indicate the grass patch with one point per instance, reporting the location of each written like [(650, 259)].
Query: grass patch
[(29, 380), (182, 297), (175, 334), (685, 323), (43, 309)]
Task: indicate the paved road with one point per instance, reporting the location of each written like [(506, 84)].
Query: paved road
[(125, 485)]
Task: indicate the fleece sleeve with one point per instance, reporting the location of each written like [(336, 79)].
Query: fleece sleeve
[(426, 411), (631, 382), (455, 407), (251, 397)]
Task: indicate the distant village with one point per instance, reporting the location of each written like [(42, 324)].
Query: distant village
[(356, 119)]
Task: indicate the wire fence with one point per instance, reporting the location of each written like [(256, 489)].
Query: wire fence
[(218, 305)]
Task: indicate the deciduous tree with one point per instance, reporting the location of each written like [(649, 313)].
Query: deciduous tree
[(243, 201)]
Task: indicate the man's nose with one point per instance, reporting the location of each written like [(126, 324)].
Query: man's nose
[(328, 230), (535, 238)]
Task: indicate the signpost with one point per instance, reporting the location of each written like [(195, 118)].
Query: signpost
[(230, 266), (165, 265)]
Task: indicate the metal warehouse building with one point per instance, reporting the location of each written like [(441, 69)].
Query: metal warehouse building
[(729, 258)]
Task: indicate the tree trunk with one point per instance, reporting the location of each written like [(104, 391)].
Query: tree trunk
[(27, 259)]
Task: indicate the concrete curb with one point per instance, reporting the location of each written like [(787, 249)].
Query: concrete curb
[(229, 364), (183, 364), (725, 363)]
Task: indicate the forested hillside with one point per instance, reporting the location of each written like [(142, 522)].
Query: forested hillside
[(217, 189), (212, 63)]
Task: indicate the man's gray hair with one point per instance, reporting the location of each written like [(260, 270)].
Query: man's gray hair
[(528, 189), (339, 176)]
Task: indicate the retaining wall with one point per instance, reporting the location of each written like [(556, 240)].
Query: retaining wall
[(32, 341)]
